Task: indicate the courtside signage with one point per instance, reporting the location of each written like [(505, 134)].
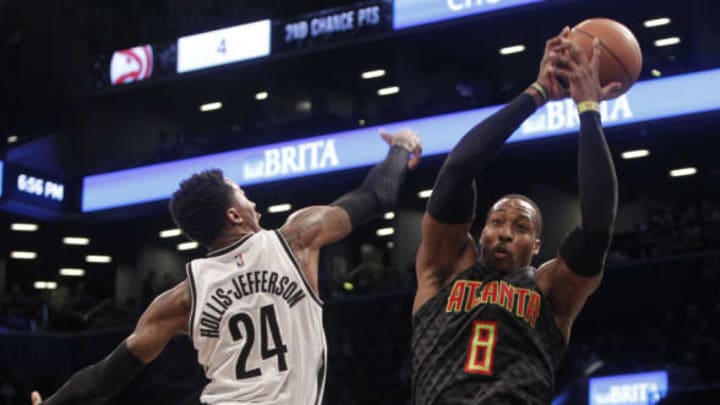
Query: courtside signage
[(220, 47), (648, 100), (409, 13), (629, 389)]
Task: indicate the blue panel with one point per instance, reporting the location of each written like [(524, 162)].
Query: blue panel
[(629, 389), (409, 13), (1, 178), (649, 100)]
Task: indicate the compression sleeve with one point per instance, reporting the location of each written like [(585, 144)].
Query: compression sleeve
[(379, 192), (453, 196), (95, 384), (585, 248)]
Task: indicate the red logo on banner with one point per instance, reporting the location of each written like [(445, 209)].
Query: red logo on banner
[(131, 65)]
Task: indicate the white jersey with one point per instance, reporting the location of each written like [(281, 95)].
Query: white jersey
[(257, 324)]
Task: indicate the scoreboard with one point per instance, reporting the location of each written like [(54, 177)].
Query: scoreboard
[(364, 20), (332, 26), (224, 46)]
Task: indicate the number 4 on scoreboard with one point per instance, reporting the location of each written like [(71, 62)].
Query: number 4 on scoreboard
[(481, 350), (222, 48)]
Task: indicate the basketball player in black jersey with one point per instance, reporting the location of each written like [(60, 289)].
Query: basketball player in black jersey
[(487, 327), (216, 212)]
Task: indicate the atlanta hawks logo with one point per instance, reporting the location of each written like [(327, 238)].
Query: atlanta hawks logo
[(131, 65), (239, 261)]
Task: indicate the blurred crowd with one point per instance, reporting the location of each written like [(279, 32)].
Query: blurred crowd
[(685, 228)]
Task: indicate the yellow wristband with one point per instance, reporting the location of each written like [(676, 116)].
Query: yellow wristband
[(540, 89), (585, 106)]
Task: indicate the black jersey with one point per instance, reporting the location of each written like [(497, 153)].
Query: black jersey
[(489, 337)]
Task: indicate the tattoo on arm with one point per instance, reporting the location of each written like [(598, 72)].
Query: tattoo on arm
[(316, 226)]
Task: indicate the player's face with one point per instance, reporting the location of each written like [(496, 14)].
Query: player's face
[(245, 206), (509, 238)]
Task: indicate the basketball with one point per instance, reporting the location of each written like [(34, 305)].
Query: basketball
[(621, 59)]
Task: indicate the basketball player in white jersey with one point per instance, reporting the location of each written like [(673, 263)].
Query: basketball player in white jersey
[(251, 308)]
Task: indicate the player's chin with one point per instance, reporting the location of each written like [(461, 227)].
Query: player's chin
[(500, 263)]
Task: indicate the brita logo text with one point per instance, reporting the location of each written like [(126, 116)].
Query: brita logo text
[(630, 394), (560, 115), (293, 159)]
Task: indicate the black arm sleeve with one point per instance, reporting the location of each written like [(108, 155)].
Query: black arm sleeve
[(453, 196), (95, 384), (586, 246), (379, 191)]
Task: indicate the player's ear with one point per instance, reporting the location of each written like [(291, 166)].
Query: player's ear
[(536, 247), (233, 217)]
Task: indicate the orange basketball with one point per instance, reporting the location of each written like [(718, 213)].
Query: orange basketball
[(621, 59)]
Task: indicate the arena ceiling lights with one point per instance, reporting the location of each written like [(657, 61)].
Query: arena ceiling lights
[(656, 22), (23, 227), (360, 147)]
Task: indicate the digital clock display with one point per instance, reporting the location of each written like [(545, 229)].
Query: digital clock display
[(40, 187)]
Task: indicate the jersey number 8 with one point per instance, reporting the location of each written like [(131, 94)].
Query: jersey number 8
[(481, 350)]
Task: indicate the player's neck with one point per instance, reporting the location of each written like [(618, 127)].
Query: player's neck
[(229, 237)]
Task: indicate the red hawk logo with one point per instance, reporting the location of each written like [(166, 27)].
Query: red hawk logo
[(131, 65)]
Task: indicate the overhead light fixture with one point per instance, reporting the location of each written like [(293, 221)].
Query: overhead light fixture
[(21, 227), (667, 41), (187, 245), (12, 139), (348, 286), (211, 106), (685, 171), (655, 73), (45, 285), (76, 240), (386, 91), (303, 106), (23, 255), (635, 154), (72, 272), (361, 122), (170, 233), (372, 74), (656, 22), (98, 259), (425, 193), (508, 50), (389, 215), (390, 245), (274, 209), (261, 95), (385, 231)]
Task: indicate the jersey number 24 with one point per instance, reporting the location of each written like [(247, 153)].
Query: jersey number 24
[(268, 321)]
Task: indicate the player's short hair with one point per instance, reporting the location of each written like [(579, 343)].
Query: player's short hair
[(538, 215), (198, 206)]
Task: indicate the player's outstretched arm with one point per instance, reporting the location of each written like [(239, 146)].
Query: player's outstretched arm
[(166, 316), (316, 226), (577, 271), (310, 228), (451, 208)]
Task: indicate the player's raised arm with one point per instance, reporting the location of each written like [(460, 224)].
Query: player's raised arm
[(310, 228), (451, 208), (577, 270), (166, 316), (319, 225)]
